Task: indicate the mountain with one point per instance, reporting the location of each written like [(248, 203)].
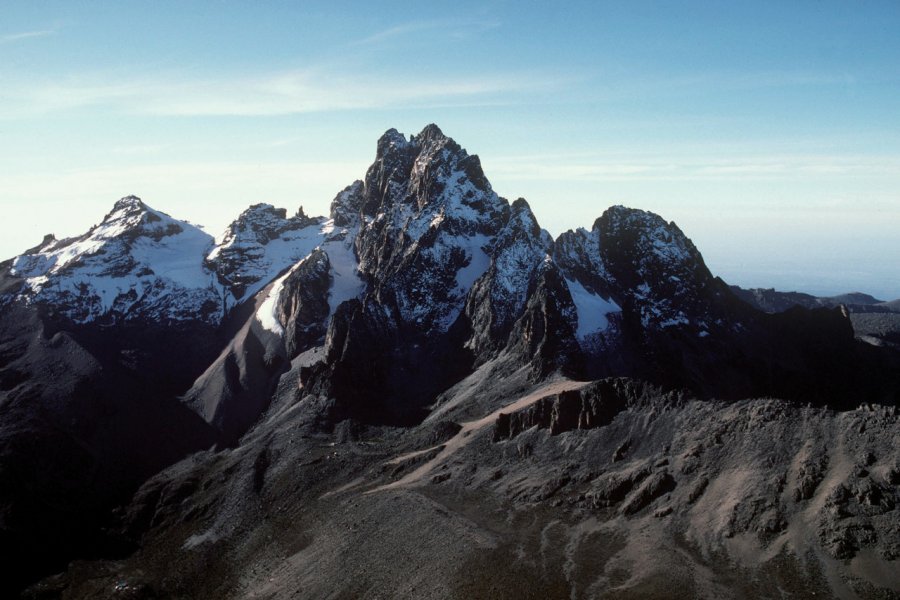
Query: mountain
[(874, 321), (771, 300), (138, 263), (425, 395)]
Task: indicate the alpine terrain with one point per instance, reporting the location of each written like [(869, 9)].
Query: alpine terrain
[(425, 395)]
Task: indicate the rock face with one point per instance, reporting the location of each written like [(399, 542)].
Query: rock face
[(498, 297), (423, 375), (260, 244), (303, 303), (428, 219), (587, 408)]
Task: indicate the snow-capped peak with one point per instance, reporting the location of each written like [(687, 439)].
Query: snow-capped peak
[(430, 214), (137, 263), (128, 221)]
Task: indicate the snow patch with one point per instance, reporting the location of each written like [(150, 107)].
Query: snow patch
[(479, 261), (593, 311), (679, 319), (267, 314), (346, 284)]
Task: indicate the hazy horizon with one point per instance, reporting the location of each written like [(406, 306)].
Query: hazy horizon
[(769, 133)]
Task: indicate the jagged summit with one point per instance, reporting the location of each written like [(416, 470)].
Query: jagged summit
[(263, 222), (129, 202), (430, 133), (418, 169), (391, 139), (429, 213)]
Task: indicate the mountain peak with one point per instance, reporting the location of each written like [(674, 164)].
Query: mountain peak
[(130, 218), (429, 133), (261, 223), (391, 139), (260, 243), (128, 208), (129, 202), (136, 264)]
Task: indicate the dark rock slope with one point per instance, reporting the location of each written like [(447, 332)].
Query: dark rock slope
[(611, 489)]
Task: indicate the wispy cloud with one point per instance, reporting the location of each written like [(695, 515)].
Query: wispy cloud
[(293, 92), (10, 38), (455, 28), (397, 31), (599, 169)]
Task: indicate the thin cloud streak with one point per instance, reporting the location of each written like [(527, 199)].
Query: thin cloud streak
[(277, 94), (10, 38), (394, 32), (191, 176), (454, 28), (550, 168)]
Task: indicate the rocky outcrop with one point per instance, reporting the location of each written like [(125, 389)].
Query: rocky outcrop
[(303, 303), (544, 336), (428, 219), (593, 406), (431, 215), (347, 206)]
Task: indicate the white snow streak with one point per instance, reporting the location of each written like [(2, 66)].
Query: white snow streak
[(593, 310)]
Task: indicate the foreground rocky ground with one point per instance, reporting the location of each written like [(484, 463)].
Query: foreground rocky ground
[(564, 490)]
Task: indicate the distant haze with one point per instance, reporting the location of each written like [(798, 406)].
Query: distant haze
[(769, 132)]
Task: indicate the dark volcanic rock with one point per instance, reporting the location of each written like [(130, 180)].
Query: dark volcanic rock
[(429, 220), (79, 431), (347, 206), (654, 487), (544, 336), (432, 212), (498, 298), (593, 406), (303, 303), (236, 388)]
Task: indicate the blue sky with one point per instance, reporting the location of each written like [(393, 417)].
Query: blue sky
[(769, 132)]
